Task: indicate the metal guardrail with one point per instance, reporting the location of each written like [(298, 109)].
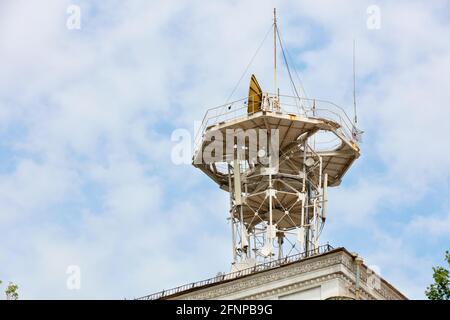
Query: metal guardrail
[(234, 275), (303, 107)]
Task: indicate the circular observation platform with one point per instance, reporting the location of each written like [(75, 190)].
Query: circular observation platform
[(312, 134)]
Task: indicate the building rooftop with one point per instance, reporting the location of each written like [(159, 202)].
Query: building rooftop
[(384, 289)]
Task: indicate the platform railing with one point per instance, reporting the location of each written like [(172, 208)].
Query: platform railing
[(237, 274), (302, 107)]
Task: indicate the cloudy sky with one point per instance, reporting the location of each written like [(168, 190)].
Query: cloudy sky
[(86, 117)]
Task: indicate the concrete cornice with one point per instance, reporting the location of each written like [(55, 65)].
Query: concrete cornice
[(299, 275)]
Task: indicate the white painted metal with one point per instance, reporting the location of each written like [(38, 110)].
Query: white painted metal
[(280, 206)]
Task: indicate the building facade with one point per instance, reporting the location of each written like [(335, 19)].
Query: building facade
[(335, 274)]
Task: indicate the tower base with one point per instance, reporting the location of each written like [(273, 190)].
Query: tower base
[(329, 275)]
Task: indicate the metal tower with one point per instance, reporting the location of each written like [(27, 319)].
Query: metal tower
[(276, 156)]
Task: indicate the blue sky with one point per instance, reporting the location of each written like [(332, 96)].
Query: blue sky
[(86, 117)]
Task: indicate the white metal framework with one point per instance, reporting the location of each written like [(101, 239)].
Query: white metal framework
[(278, 197), (276, 156)]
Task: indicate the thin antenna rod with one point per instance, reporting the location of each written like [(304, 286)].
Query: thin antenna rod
[(354, 83), (275, 50)]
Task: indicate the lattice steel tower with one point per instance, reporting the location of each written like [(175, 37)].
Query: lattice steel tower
[(276, 156)]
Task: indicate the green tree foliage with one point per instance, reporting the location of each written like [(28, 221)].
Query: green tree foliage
[(440, 289), (11, 291)]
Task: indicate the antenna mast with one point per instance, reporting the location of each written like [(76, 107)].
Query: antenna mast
[(354, 84), (278, 197), (275, 50)]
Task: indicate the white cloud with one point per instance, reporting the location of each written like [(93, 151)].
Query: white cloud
[(94, 109), (430, 226)]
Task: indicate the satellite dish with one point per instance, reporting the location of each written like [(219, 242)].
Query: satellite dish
[(254, 96)]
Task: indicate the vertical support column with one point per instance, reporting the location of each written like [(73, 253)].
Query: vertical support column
[(237, 182), (307, 197), (244, 235), (238, 204), (255, 245), (324, 197), (269, 234), (280, 245), (315, 225), (249, 242), (233, 237)]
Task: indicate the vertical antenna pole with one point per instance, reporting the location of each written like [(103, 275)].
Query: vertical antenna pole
[(274, 50), (324, 197), (354, 84)]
